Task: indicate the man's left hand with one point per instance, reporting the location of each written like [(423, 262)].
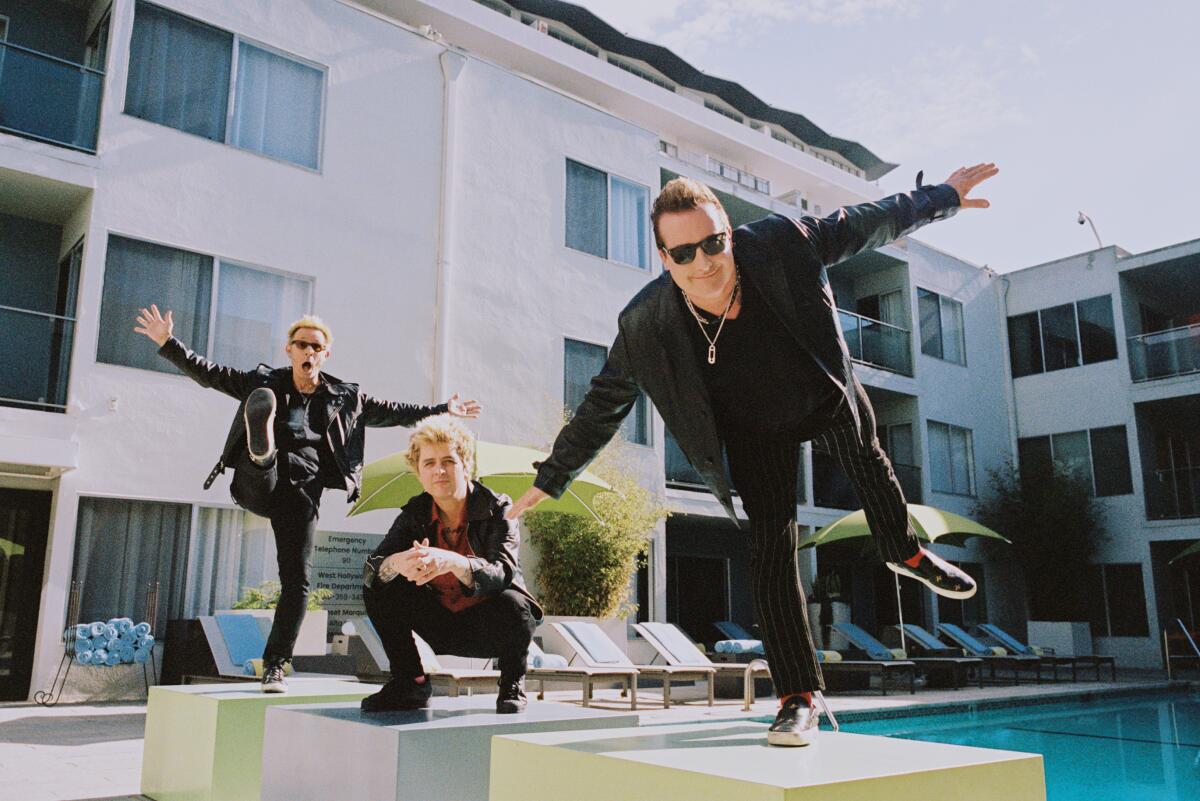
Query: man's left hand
[(462, 408), (430, 562), (964, 179)]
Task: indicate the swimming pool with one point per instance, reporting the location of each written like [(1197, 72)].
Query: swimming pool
[(1130, 748)]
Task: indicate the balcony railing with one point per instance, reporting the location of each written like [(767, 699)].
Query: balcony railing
[(47, 98), (877, 343), (1173, 494), (37, 361), (1162, 354)]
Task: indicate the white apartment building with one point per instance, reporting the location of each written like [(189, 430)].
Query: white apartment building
[(462, 190)]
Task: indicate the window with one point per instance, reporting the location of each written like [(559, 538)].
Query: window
[(179, 75), (38, 295), (941, 327), (641, 73), (951, 459), (607, 216), (1062, 336), (1099, 456), (1118, 601), (582, 361), (724, 112), (229, 551), (253, 307)]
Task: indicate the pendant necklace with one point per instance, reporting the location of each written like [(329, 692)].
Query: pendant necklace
[(712, 341)]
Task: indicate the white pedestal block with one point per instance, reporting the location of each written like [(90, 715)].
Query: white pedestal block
[(1067, 639), (335, 751), (732, 762)]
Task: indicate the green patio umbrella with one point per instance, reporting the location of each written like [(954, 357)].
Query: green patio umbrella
[(10, 548), (389, 483), (930, 523), (1187, 552)]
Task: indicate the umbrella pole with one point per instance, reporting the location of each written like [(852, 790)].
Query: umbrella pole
[(900, 614)]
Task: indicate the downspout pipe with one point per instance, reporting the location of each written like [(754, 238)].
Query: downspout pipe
[(452, 63)]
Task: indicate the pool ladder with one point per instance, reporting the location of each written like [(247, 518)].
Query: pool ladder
[(1167, 647)]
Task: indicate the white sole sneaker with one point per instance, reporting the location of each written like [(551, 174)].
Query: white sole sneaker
[(259, 418), (274, 687), (942, 591), (792, 739)]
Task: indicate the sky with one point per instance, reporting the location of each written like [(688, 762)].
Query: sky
[(1084, 106)]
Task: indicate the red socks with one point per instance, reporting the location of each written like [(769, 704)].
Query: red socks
[(806, 696), (419, 680), (916, 560)]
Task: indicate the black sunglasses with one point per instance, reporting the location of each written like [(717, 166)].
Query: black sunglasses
[(712, 245), (317, 347)]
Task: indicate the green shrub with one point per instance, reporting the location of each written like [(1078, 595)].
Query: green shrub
[(266, 596)]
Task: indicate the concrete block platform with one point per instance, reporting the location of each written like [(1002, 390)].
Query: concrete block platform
[(732, 762), (204, 741), (335, 751)]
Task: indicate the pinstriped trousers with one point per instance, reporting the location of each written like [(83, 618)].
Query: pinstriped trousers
[(765, 469)]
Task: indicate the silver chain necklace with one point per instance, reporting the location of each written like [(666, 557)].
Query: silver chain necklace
[(712, 341)]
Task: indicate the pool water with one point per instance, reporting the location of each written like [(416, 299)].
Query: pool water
[(1133, 748)]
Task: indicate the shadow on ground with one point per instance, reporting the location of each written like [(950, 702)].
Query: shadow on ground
[(76, 730)]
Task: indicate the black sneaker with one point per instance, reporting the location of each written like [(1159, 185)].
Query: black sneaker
[(938, 575), (399, 694), (795, 724), (511, 699), (260, 426), (273, 680)]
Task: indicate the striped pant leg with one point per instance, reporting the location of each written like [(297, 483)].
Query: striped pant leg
[(857, 450), (764, 471)]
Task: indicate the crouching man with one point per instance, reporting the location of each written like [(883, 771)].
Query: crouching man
[(448, 572)]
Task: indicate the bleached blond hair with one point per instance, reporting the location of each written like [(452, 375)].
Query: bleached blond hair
[(442, 429), (311, 321)]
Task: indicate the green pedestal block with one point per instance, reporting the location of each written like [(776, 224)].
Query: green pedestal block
[(732, 762), (204, 742)]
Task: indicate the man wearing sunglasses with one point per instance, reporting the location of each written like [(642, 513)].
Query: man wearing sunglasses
[(739, 346), (297, 432)]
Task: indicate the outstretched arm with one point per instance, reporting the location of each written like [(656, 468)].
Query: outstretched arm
[(866, 226), (158, 328)]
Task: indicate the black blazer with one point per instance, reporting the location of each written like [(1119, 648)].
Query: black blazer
[(786, 262), (495, 540)]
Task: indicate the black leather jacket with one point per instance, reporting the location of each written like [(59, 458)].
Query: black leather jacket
[(495, 540), (786, 261), (347, 410)]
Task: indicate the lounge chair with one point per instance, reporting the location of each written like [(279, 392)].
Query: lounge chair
[(587, 677), (595, 650), (957, 669), (994, 655), (229, 648), (993, 633), (676, 649), (452, 679)]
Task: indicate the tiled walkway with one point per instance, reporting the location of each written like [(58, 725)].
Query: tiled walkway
[(95, 752)]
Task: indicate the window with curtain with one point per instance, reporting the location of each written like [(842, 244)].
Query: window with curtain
[(1100, 456), (607, 216), (179, 72), (179, 75), (941, 321), (277, 106), (1118, 601), (951, 459), (137, 274), (1097, 331), (1110, 461), (1025, 344), (1060, 341), (254, 310), (121, 547), (229, 551), (1062, 336), (253, 307), (582, 361)]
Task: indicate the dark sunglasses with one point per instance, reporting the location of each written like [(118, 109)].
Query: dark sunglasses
[(317, 347), (712, 245)]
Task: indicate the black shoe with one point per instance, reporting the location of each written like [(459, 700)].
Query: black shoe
[(260, 426), (938, 575), (795, 724), (273, 680), (399, 694), (511, 699)]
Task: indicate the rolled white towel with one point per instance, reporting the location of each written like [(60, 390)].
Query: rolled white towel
[(549, 661)]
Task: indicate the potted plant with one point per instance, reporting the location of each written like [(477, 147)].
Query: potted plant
[(261, 601)]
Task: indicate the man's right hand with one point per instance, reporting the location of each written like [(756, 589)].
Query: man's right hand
[(154, 325), (531, 498)]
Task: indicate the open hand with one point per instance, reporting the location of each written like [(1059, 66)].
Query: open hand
[(964, 179), (462, 408), (154, 325), (529, 499)]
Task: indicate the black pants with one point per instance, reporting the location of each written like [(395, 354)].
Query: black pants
[(293, 515), (765, 471), (499, 627)]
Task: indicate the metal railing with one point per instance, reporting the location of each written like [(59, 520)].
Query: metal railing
[(36, 376), (1173, 494), (877, 343), (48, 98), (1187, 636), (1162, 354)]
